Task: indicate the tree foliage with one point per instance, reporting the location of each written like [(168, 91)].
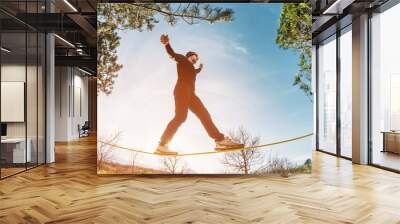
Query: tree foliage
[(294, 33), (116, 17)]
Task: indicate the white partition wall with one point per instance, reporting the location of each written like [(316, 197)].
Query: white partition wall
[(71, 102), (12, 98)]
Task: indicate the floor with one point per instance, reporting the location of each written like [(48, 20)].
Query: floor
[(5, 172), (69, 191), (10, 171), (387, 159)]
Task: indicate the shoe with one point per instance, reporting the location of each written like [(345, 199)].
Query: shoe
[(164, 150), (227, 144)]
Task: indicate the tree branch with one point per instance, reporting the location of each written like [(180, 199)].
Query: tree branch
[(172, 13)]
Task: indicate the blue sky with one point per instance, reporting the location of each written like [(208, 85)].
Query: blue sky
[(246, 81)]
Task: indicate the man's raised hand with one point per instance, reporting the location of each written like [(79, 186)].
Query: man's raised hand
[(201, 66), (164, 39)]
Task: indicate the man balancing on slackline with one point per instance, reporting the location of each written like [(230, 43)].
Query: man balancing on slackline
[(186, 99)]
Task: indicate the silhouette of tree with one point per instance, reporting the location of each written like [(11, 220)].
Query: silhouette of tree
[(134, 158), (141, 16), (104, 151), (174, 165), (244, 161)]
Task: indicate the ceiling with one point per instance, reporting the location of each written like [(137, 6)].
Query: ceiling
[(330, 15), (73, 22)]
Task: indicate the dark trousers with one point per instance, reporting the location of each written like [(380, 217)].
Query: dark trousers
[(186, 99)]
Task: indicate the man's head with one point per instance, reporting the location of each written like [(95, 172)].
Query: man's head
[(192, 57)]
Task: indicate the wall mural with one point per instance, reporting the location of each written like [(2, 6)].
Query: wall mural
[(194, 88)]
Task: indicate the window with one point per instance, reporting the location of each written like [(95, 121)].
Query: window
[(327, 95), (15, 149), (385, 89), (346, 92), (22, 88), (394, 102)]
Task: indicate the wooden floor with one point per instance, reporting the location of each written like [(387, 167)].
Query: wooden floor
[(387, 159), (69, 191)]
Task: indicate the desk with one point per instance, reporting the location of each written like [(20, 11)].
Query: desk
[(15, 148), (391, 141)]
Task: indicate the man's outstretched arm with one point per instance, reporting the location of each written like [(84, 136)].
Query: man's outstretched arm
[(170, 51), (165, 40)]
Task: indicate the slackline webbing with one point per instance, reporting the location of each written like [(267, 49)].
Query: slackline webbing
[(211, 152)]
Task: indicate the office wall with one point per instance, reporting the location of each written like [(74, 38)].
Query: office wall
[(33, 127), (13, 98), (71, 102), (15, 72), (62, 80), (80, 104)]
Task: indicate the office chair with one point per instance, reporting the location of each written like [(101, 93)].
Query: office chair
[(84, 130)]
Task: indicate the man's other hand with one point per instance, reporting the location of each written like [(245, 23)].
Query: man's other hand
[(164, 39)]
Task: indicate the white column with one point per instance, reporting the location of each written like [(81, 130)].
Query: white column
[(50, 100), (50, 92), (360, 90)]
